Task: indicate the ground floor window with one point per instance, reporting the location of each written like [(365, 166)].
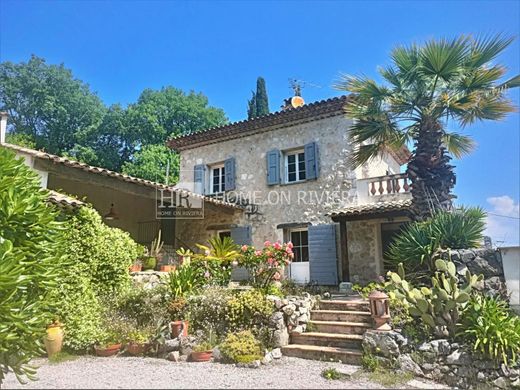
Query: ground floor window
[(300, 240), (224, 233)]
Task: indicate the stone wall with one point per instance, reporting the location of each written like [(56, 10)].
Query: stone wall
[(148, 279), (292, 315), (487, 262), (440, 360)]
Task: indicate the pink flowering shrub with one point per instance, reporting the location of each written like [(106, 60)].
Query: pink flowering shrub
[(267, 265)]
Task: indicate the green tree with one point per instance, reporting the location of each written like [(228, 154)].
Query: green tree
[(251, 106), (151, 163), (427, 86), (31, 265), (159, 115), (262, 103), (111, 144), (47, 104)]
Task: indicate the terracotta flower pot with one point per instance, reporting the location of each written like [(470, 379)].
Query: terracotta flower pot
[(109, 350), (167, 268), (53, 340), (136, 268), (179, 328), (136, 349), (202, 356)]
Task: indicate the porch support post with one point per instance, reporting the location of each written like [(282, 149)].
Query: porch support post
[(345, 273)]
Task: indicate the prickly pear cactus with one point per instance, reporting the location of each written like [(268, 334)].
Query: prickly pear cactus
[(440, 305)]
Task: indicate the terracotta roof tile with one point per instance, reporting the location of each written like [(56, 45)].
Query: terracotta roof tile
[(372, 208), (279, 119), (64, 201)]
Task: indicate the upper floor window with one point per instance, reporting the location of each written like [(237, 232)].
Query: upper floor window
[(217, 179), (294, 166)]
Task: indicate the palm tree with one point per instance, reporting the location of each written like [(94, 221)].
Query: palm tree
[(427, 89)]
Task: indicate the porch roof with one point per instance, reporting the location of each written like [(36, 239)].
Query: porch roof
[(64, 201), (115, 175), (371, 210)]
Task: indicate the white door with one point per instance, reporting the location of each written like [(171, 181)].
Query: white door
[(299, 268)]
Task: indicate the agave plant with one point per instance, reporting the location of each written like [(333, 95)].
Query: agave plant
[(223, 250), (428, 88)]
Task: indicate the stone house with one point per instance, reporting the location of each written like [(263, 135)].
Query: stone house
[(289, 172)]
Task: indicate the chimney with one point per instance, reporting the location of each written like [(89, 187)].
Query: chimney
[(3, 126)]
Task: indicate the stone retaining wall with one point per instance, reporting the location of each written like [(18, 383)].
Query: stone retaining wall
[(440, 360), (148, 279)]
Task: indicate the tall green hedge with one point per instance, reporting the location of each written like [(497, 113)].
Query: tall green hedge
[(101, 256), (31, 264)]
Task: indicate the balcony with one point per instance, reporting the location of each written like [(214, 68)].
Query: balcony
[(383, 189)]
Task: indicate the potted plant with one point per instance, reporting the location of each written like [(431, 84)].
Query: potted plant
[(137, 343), (53, 340), (184, 255), (154, 253), (169, 267), (137, 266), (178, 326), (203, 351), (109, 346)]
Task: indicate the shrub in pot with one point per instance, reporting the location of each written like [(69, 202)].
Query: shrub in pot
[(202, 352), (178, 326), (154, 253), (137, 266), (137, 342)]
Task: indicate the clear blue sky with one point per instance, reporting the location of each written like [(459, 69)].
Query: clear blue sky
[(219, 48)]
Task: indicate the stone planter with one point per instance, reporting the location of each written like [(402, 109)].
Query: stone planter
[(53, 340)]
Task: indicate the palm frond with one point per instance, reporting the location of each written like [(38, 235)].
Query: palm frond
[(482, 78), (485, 49), (484, 106), (406, 59), (513, 82), (362, 154), (362, 86), (458, 144), (442, 58)]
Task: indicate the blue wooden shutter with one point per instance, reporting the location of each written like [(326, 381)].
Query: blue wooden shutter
[(311, 161), (273, 167), (323, 258), (229, 167), (198, 178), (242, 236)]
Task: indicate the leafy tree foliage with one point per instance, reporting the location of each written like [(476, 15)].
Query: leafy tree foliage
[(46, 103), (456, 81), (151, 163), (30, 264), (50, 109)]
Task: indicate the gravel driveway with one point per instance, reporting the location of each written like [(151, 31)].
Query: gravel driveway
[(131, 372)]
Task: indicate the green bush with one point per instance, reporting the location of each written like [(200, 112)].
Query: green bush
[(108, 252), (208, 310), (249, 310), (186, 279), (368, 288), (30, 265), (417, 245), (79, 309), (492, 329), (102, 256), (332, 374), (241, 347), (145, 307)]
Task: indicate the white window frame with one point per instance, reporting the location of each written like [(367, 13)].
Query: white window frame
[(291, 231), (222, 182), (296, 153)]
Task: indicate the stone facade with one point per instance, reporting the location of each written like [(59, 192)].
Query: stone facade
[(148, 280), (304, 203)]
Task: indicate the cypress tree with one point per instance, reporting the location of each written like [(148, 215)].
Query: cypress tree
[(251, 106), (262, 103)]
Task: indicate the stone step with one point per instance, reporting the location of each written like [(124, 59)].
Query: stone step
[(351, 341), (341, 315), (340, 327), (315, 352), (347, 305)]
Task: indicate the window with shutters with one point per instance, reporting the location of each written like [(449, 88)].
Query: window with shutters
[(217, 179), (300, 240), (294, 166)]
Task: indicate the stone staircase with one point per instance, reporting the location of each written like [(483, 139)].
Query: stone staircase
[(337, 332)]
